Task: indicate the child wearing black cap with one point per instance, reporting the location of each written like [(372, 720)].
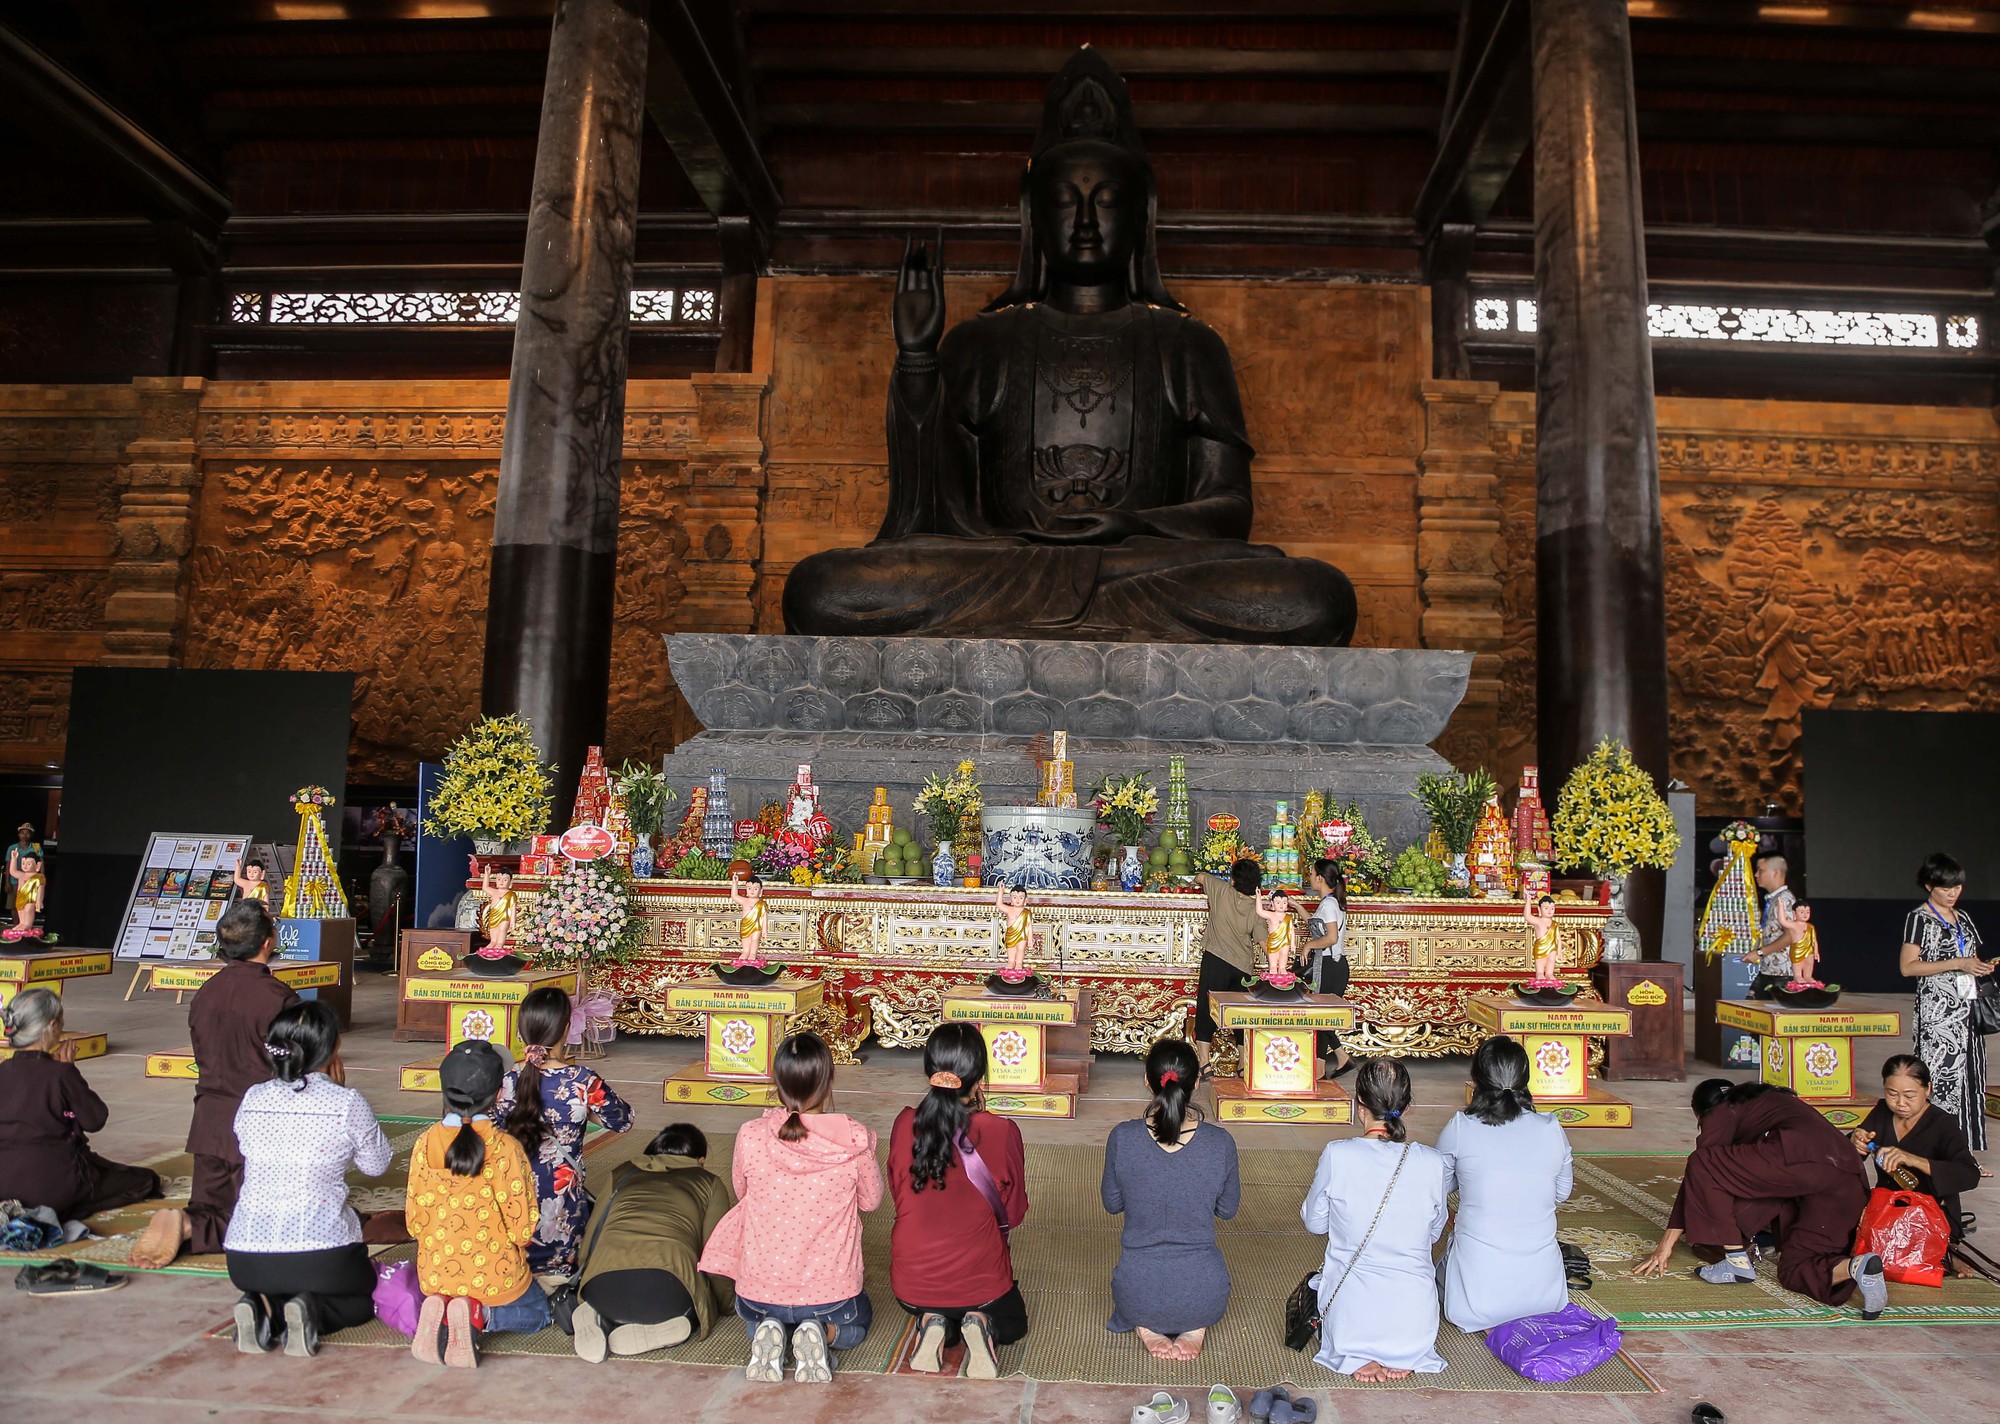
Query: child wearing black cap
[(471, 1186)]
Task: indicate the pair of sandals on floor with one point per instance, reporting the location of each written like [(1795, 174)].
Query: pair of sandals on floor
[(1268, 1406)]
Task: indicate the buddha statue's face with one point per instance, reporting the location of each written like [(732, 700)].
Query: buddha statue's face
[(1088, 203)]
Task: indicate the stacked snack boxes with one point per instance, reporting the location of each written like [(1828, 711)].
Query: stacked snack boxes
[(1531, 822), (1493, 855), (1058, 774), (1180, 816), (870, 842), (1281, 853), (718, 826)]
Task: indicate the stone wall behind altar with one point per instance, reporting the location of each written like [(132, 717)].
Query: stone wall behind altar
[(1330, 375)]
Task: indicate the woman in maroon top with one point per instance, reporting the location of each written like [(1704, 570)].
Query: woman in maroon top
[(958, 1179)]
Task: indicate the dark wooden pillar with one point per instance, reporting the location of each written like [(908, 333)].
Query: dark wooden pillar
[(1601, 639), (555, 524)]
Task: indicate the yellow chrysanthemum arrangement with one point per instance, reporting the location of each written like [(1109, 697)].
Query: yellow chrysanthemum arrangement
[(495, 786), (1610, 820)]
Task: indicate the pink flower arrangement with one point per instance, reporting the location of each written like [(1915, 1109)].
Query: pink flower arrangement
[(584, 917)]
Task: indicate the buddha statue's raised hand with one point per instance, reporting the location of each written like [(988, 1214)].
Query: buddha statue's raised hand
[(918, 314)]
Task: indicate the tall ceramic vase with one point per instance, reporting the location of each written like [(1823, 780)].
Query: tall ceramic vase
[(1621, 936), (642, 857), (1132, 870), (1460, 873), (387, 886), (944, 869)]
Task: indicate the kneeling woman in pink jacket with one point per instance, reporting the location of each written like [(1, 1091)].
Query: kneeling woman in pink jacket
[(792, 1242)]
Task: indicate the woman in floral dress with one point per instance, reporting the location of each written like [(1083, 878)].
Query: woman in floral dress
[(546, 1105)]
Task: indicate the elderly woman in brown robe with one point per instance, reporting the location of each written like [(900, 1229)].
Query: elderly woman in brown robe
[(46, 1112)]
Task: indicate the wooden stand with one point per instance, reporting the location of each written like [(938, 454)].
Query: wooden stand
[(1281, 1081), (1558, 1045), (1019, 1082), (185, 976), (51, 969), (479, 1006), (1811, 1051), (1657, 1049), (426, 952), (744, 1028)]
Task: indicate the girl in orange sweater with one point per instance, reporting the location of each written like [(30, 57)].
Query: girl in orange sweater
[(472, 1208)]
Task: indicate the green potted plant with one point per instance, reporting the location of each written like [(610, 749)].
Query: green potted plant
[(1453, 803), (647, 797)]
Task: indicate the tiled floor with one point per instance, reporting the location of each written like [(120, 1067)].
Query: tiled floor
[(138, 1354)]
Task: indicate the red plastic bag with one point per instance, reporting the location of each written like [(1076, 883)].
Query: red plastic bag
[(1908, 1231)]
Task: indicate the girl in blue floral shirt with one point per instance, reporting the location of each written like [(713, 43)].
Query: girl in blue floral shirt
[(547, 1104)]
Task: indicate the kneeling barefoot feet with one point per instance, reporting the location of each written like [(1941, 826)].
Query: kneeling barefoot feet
[(1157, 1345), (1188, 1346), (1372, 1373), (161, 1241)]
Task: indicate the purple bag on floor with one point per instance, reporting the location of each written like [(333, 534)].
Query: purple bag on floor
[(1551, 1348), (398, 1297)]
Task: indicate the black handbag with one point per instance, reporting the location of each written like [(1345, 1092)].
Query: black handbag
[(1302, 1314), (1986, 1006)]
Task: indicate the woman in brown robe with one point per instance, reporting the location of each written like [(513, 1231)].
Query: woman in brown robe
[(1907, 1130), (1765, 1160), (46, 1110)]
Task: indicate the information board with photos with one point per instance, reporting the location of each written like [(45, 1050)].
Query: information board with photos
[(185, 883)]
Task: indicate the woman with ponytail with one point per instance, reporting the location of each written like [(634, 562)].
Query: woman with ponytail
[(1379, 1201), (1172, 1177), (472, 1209), (547, 1103), (959, 1178), (792, 1243), (1510, 1166), (294, 1244)]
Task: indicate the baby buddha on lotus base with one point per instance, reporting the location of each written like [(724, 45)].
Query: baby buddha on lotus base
[(1014, 933)]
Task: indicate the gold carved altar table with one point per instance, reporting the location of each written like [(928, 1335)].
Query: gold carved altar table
[(887, 954)]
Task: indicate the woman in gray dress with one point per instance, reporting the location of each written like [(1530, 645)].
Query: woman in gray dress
[(1172, 1176), (1941, 952)]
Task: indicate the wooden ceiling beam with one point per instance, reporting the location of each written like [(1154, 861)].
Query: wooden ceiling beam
[(163, 182), (691, 103), (1238, 12), (1040, 61), (946, 116), (1488, 128), (1956, 82)]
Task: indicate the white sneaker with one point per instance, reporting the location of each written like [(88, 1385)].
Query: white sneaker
[(1163, 1409), (814, 1364), (767, 1354), (588, 1340), (1222, 1405)]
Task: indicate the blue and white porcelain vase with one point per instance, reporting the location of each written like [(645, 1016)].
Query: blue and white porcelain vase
[(944, 870), (1132, 870), (642, 858)]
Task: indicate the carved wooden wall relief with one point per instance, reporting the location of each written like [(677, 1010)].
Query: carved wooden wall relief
[(60, 453), (1817, 556)]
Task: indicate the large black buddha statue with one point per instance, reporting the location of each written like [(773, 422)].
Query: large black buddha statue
[(1070, 463)]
